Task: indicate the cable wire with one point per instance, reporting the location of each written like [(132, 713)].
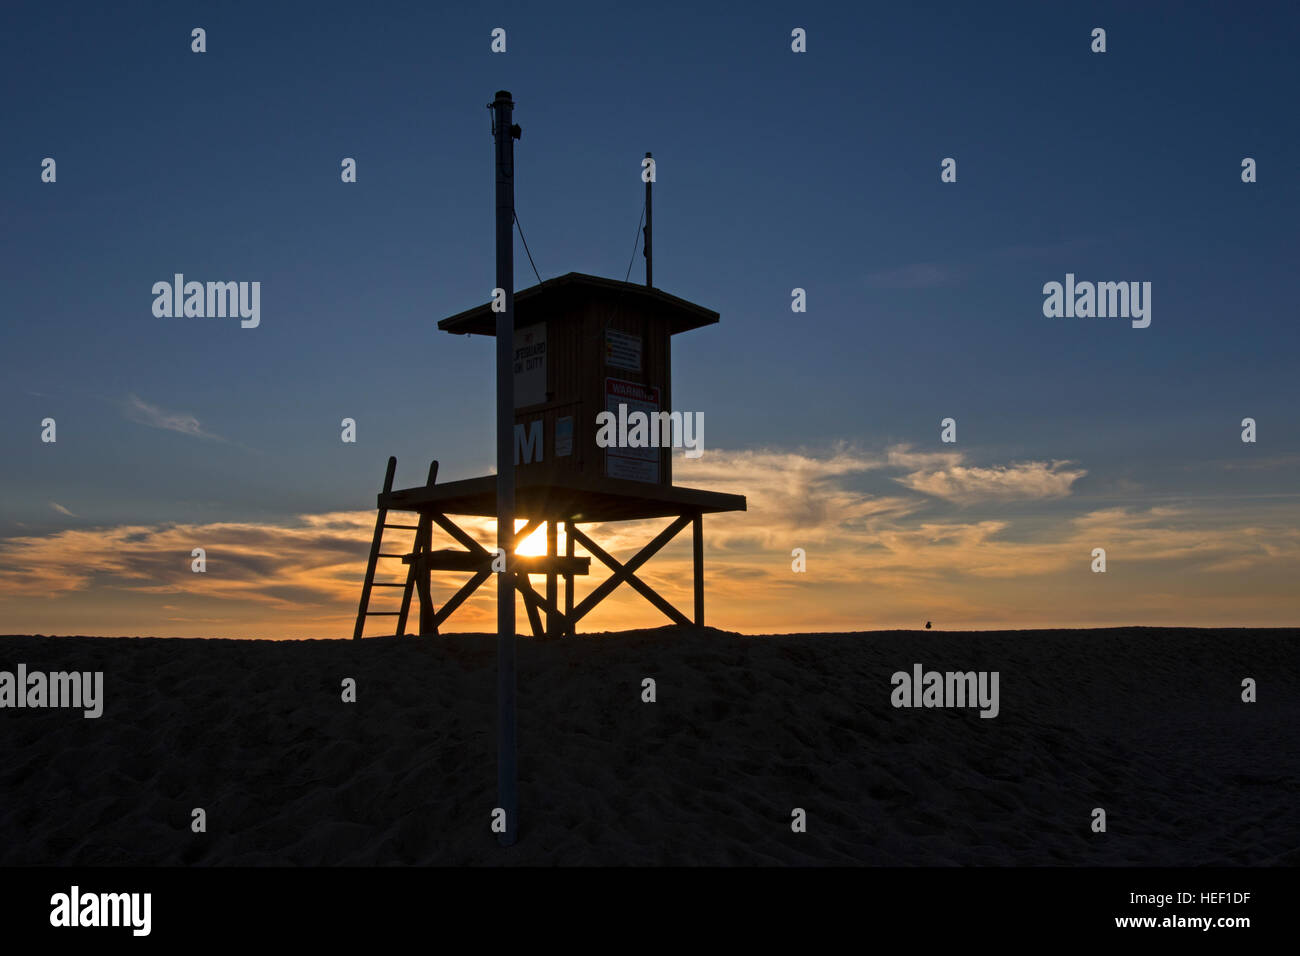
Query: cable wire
[(530, 255), (636, 242)]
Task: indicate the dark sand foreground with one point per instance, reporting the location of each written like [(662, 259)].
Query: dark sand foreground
[(1146, 723)]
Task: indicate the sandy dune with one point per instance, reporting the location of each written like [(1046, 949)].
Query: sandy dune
[(1147, 723)]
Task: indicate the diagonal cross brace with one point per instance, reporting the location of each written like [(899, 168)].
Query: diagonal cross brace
[(449, 526), (533, 601), (457, 599), (627, 572)]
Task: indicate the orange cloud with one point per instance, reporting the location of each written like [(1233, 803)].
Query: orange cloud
[(873, 560)]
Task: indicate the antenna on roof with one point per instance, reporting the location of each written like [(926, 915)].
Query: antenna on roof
[(649, 217)]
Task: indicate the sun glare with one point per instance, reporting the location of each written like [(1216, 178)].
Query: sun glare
[(535, 544)]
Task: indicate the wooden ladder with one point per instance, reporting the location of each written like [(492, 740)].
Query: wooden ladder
[(423, 533)]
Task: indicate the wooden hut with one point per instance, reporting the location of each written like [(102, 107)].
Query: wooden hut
[(582, 345)]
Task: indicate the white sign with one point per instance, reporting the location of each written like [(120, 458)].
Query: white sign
[(564, 436), (622, 350), (635, 464), (530, 365)]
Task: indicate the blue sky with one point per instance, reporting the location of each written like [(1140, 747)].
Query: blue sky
[(775, 170)]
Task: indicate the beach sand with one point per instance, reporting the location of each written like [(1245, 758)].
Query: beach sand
[(1146, 723)]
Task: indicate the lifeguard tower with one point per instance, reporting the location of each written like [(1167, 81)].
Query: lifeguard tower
[(582, 345)]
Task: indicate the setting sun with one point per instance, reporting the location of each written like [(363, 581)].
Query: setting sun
[(534, 545)]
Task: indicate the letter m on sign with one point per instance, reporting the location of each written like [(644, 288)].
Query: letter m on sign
[(528, 447)]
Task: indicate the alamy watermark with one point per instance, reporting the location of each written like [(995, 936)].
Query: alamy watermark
[(216, 300), (922, 688), (1103, 300), (75, 908), (77, 689), (640, 429)]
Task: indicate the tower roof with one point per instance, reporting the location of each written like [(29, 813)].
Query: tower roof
[(564, 293)]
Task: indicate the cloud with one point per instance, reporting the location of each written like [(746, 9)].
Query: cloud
[(143, 413), (965, 485), (792, 491), (1046, 251), (245, 561), (895, 558), (933, 275), (948, 476), (62, 510), (902, 456), (919, 275)]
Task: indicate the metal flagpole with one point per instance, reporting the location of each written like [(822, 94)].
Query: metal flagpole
[(505, 133)]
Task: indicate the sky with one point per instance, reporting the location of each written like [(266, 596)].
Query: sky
[(776, 170)]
